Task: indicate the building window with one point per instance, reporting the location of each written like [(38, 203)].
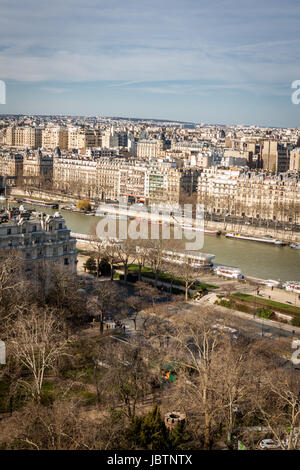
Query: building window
[(66, 261)]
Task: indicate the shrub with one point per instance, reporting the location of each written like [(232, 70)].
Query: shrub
[(84, 205), (90, 265), (149, 432), (264, 313), (295, 321), (225, 303)]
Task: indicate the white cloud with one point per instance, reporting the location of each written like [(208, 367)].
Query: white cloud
[(55, 90), (254, 46)]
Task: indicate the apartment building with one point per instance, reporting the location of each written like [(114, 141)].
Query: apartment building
[(295, 157), (108, 177), (39, 240), (133, 182), (26, 137), (37, 168), (110, 139), (82, 138), (275, 156), (250, 194), (149, 148), (88, 138), (11, 167), (53, 137), (75, 175)]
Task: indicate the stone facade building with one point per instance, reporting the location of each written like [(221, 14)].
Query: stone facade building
[(53, 137), (37, 168), (11, 167), (26, 137), (149, 148), (40, 239), (250, 194)]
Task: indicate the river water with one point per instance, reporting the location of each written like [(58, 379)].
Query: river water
[(254, 259)]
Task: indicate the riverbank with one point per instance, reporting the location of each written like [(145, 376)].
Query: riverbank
[(250, 230), (256, 260)]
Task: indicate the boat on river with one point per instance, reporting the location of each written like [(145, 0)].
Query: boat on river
[(35, 202), (292, 286), (228, 271), (266, 239)]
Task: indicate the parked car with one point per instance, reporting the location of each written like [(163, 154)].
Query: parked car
[(269, 444)]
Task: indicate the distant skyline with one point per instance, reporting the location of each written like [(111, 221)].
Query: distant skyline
[(223, 61)]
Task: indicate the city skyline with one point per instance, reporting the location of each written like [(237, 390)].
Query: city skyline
[(226, 62)]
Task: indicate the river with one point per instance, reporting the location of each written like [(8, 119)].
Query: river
[(254, 259)]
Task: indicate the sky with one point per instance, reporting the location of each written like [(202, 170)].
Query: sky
[(216, 61)]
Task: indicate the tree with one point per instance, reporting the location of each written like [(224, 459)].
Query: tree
[(36, 342), (149, 431), (64, 295), (184, 271), (142, 255), (58, 427), (128, 379), (107, 297), (156, 259), (90, 265), (126, 252), (110, 253), (203, 389), (97, 248), (278, 401), (13, 285), (84, 205), (142, 302)]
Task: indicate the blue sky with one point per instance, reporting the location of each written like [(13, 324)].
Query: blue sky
[(217, 61)]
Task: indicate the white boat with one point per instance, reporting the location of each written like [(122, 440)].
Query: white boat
[(292, 286), (198, 229), (295, 245), (271, 283), (227, 271), (266, 239)]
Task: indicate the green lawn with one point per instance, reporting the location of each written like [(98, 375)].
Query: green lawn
[(148, 272), (284, 308)]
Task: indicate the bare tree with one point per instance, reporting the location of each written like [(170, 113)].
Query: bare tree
[(37, 340), (58, 427), (142, 255), (126, 252), (12, 282), (128, 379), (207, 386), (110, 253), (278, 401), (186, 272), (106, 297), (64, 293)]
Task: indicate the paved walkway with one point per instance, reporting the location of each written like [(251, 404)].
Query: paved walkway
[(280, 295), (209, 299)]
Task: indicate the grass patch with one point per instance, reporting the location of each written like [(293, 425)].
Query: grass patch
[(280, 307), (86, 397), (165, 277)]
